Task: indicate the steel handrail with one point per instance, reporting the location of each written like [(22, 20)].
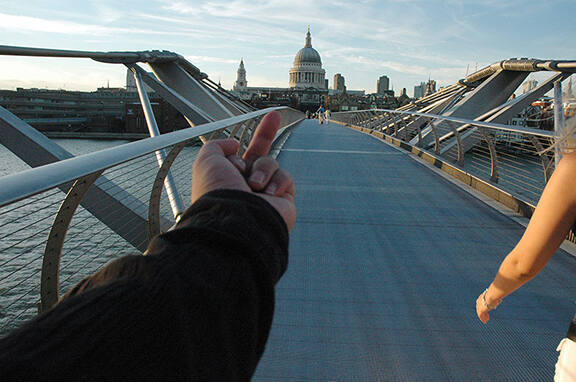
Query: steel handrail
[(36, 180), (491, 125), (112, 57)]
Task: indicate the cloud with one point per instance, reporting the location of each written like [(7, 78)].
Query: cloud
[(224, 32), (322, 15), (35, 24), (107, 13), (374, 63), (15, 23), (57, 73), (205, 59)]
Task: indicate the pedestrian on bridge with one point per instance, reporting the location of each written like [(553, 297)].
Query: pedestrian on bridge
[(553, 217), (198, 307), (327, 115), (320, 113)]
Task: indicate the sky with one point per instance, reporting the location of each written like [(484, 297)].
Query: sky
[(407, 40)]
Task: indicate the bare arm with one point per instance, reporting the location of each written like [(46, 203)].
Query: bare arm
[(552, 219)]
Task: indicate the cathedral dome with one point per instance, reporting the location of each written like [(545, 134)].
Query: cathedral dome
[(307, 70), (307, 54)]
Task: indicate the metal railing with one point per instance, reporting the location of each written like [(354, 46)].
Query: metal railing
[(67, 216), (50, 241), (516, 160)]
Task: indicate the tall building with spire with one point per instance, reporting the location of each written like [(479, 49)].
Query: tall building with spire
[(307, 72), (241, 83)]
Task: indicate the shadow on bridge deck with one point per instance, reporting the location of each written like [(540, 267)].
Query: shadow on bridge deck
[(387, 259)]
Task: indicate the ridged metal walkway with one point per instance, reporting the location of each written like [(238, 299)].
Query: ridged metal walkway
[(386, 261)]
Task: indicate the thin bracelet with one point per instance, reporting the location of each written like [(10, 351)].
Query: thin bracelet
[(486, 305)]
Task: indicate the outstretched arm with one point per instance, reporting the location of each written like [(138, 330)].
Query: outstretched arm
[(552, 219), (198, 307)]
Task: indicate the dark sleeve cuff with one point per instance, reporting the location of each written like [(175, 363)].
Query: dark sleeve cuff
[(238, 219)]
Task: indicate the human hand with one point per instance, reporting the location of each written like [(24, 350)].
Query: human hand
[(483, 307), (218, 167), (481, 310)]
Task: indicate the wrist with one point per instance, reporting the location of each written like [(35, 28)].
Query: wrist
[(490, 302)]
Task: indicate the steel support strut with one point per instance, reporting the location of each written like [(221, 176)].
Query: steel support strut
[(169, 184)]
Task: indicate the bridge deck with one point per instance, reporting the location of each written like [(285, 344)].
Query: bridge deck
[(387, 259)]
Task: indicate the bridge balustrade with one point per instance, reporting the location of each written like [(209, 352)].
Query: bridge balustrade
[(509, 163), (64, 220), (68, 216), (51, 239)]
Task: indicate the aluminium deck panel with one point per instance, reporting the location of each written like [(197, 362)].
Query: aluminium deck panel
[(386, 261)]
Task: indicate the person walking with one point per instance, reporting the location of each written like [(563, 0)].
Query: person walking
[(327, 115), (320, 113), (553, 217)]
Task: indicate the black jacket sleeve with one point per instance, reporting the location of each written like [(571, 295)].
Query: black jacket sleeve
[(198, 307)]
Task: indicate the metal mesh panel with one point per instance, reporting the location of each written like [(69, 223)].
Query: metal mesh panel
[(25, 228), (90, 244), (477, 159), (520, 166)]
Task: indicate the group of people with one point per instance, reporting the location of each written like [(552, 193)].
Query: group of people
[(323, 115), (199, 305)]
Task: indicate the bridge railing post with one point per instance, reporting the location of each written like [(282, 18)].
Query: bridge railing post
[(434, 128), (460, 152), (548, 165), (389, 123), (494, 176), (368, 118), (420, 126), (404, 128), (50, 274)]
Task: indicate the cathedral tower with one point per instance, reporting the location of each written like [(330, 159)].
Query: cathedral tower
[(241, 82)]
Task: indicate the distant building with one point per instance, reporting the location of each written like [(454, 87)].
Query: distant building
[(351, 92), (306, 89), (131, 83), (338, 101), (307, 72), (424, 89), (107, 110), (382, 85), (387, 93), (403, 99), (265, 96), (241, 82), (529, 86), (430, 88), (419, 90), (339, 82)]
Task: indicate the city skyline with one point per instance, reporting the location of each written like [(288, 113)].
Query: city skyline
[(409, 41)]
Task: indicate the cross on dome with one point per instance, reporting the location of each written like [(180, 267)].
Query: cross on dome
[(308, 39)]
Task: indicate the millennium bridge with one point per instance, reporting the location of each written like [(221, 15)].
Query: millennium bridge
[(404, 217)]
